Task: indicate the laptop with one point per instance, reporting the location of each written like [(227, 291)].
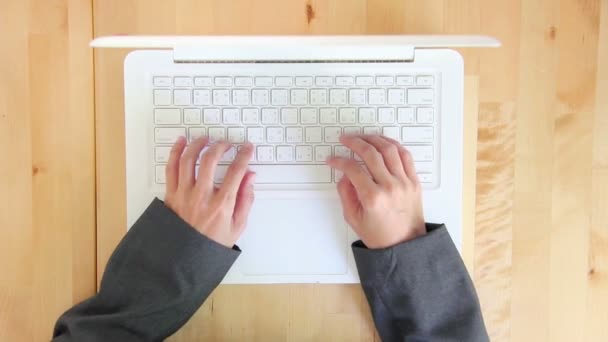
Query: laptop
[(292, 97)]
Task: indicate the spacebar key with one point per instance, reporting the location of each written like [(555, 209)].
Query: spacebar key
[(284, 174)]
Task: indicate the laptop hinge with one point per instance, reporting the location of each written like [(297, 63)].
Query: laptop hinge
[(293, 54)]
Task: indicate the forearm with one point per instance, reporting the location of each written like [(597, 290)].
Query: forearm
[(158, 276), (421, 290)]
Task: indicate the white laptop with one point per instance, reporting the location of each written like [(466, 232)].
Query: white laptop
[(292, 96)]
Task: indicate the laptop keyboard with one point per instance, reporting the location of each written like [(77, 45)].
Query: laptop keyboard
[(295, 121)]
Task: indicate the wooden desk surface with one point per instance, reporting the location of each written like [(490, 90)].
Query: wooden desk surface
[(538, 249)]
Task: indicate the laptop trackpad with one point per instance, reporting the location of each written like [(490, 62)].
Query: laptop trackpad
[(295, 236)]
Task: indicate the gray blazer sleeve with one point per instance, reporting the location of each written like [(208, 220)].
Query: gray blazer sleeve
[(420, 290), (158, 276)]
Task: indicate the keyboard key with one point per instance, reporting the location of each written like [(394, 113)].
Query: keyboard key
[(265, 153), (396, 96), (161, 153), (294, 134), (338, 175), (279, 97), (241, 81), (162, 97), (365, 81), (255, 135), (299, 97), (217, 133), (304, 153), (283, 81), (231, 116), (424, 115), (303, 81), (192, 116), (352, 130), (425, 81), (308, 116), (367, 115), (324, 81), (160, 174), (182, 81), (424, 167), (318, 96), (270, 116), (202, 97), (202, 82), (259, 97), (420, 152), (384, 80), (167, 116), (223, 81), (168, 135), (289, 116), (377, 96), (420, 96), (337, 96), (356, 96), (291, 174), (386, 115), (391, 132), (328, 116), (236, 135), (285, 154), (211, 116), (371, 130), (182, 97), (405, 80), (313, 135), (342, 151), (332, 134), (229, 155), (263, 81), (345, 81), (240, 97), (251, 116), (196, 132), (221, 97), (425, 177), (322, 152), (405, 115), (162, 81), (274, 134), (417, 134), (347, 115)]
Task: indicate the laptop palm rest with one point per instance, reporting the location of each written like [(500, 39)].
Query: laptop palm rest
[(295, 236)]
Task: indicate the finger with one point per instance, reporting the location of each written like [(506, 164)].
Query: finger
[(236, 172), (244, 202), (172, 168), (349, 199), (406, 159), (370, 155), (390, 154), (188, 161), (355, 173), (209, 161)]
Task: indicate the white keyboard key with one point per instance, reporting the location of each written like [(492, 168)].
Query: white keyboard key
[(294, 134), (338, 175), (308, 116), (211, 116), (318, 96), (279, 97), (356, 96), (192, 116), (313, 135), (168, 135), (162, 81), (255, 135), (251, 116), (231, 116), (265, 153), (367, 115), (240, 97), (365, 81), (337, 96), (384, 80), (342, 151), (377, 96), (181, 81), (229, 155), (217, 134), (182, 97), (196, 132), (347, 115), (371, 130), (259, 97), (345, 81), (223, 81), (424, 115), (285, 154), (283, 81), (162, 97), (417, 134), (241, 81), (263, 81), (425, 177), (420, 96), (425, 167), (304, 153), (291, 174), (270, 116), (396, 96), (425, 81), (202, 97), (236, 135), (352, 130), (328, 116), (299, 97), (324, 81), (161, 153), (303, 81), (203, 82), (405, 80), (332, 134), (386, 115), (405, 115), (167, 116), (221, 97), (274, 134), (391, 132), (160, 174), (289, 116), (420, 152), (322, 152)]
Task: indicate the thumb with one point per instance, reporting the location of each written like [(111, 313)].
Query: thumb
[(349, 199), (243, 204)]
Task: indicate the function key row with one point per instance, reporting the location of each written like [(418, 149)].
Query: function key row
[(289, 81)]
